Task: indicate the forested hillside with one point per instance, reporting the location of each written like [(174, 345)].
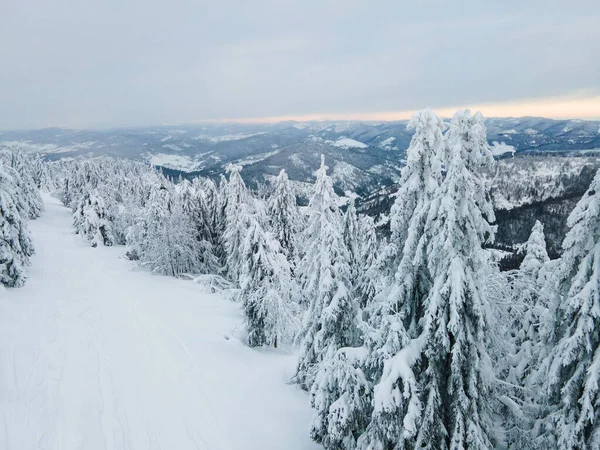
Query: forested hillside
[(363, 156), (523, 189), (410, 338)]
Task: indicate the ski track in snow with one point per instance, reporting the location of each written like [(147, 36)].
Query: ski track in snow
[(97, 355)]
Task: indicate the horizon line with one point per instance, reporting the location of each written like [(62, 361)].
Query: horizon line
[(580, 106), (556, 108)]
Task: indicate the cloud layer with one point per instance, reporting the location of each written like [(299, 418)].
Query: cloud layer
[(135, 62)]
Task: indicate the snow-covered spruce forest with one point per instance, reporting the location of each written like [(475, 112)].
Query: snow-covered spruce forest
[(412, 340)]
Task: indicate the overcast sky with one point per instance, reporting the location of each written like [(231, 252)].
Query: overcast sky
[(78, 63)]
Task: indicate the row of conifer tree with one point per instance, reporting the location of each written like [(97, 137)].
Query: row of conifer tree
[(21, 176)]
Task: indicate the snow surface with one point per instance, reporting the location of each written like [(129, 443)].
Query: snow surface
[(95, 355), (175, 148), (177, 162), (500, 148), (28, 146), (252, 159), (228, 137), (388, 144), (345, 142)]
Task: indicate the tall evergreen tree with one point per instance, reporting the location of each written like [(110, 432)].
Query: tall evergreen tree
[(527, 286), (212, 214), (536, 254), (457, 312), (266, 289), (27, 196), (369, 276), (527, 310), (435, 389), (419, 178), (331, 319), (343, 392), (340, 394), (284, 215), (350, 232), (237, 212), (198, 215), (15, 241), (220, 221), (341, 398), (572, 369), (92, 221), (385, 331), (164, 239), (40, 174)]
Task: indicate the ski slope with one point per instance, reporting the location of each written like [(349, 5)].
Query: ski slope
[(97, 355)]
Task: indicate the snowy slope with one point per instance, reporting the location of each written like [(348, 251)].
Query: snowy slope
[(95, 355), (345, 142), (177, 162), (526, 180)]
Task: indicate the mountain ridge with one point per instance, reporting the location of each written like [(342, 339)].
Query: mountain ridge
[(368, 154)]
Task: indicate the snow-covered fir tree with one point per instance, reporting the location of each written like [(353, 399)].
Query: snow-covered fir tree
[(15, 241), (419, 178), (237, 212), (41, 173), (220, 218), (37, 168), (66, 191), (536, 254), (267, 289), (193, 203), (212, 219), (332, 368), (331, 319), (368, 274), (570, 374), (284, 217), (27, 197), (163, 240), (435, 389), (457, 316), (350, 232), (88, 176), (526, 311), (123, 186), (341, 378), (91, 220), (187, 196), (341, 398), (526, 300)]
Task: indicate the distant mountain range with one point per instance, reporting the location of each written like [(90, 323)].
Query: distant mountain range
[(363, 157)]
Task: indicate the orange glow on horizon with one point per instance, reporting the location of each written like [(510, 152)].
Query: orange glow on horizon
[(552, 108)]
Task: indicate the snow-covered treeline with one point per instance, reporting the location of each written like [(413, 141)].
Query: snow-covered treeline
[(415, 340), (516, 182), (197, 227), (21, 176)]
